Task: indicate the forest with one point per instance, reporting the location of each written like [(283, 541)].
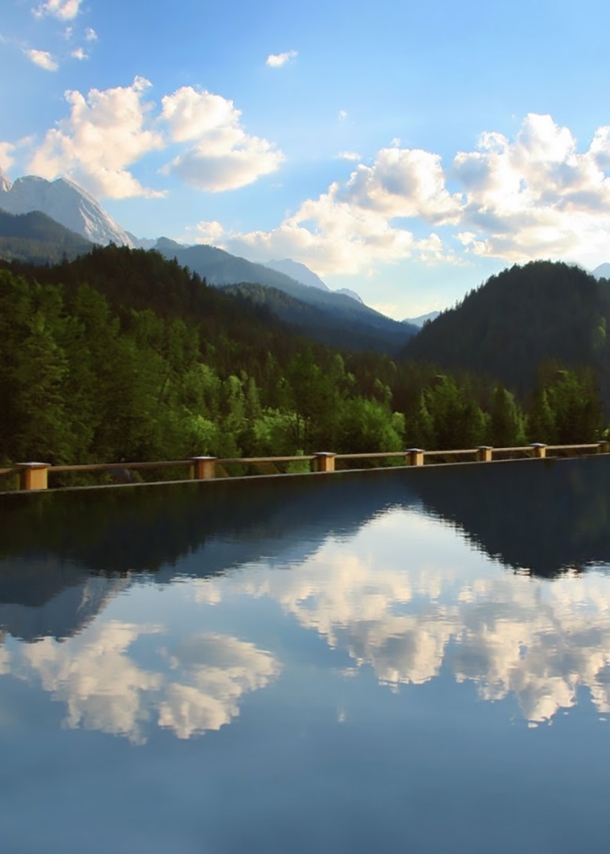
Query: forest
[(121, 355)]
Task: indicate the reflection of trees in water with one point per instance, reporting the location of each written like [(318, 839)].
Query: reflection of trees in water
[(541, 516), (544, 517)]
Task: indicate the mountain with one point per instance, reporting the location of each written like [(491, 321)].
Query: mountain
[(348, 332), (520, 319), (220, 268), (66, 203), (5, 184), (302, 274), (422, 318), (349, 293), (37, 239), (141, 242), (298, 272), (602, 272)]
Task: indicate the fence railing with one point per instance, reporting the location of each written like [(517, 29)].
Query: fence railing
[(35, 475)]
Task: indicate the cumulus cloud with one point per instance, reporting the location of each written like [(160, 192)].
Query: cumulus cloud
[(403, 182), (64, 10), (223, 156), (42, 58), (206, 231), (349, 155), (90, 34), (537, 195), (534, 196), (276, 60), (351, 227), (105, 132), (79, 53), (108, 131)]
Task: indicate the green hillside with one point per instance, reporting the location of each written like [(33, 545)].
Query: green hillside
[(37, 239), (520, 319), (367, 327)]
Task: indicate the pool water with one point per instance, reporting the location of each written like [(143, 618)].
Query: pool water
[(388, 661)]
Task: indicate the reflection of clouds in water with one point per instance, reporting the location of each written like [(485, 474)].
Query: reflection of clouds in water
[(538, 640), (220, 669), (4, 656), (197, 689)]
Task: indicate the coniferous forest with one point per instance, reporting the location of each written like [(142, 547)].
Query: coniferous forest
[(123, 355)]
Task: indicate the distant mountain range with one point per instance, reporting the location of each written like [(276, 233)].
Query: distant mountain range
[(43, 221), (422, 318), (346, 317)]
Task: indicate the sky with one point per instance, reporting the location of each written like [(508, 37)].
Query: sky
[(405, 150)]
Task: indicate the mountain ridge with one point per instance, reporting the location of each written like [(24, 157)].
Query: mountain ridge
[(66, 203)]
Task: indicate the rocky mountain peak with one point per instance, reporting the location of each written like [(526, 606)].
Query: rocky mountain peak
[(66, 203)]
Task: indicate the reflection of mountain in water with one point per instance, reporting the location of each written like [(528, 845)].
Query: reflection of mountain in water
[(539, 515), (72, 607)]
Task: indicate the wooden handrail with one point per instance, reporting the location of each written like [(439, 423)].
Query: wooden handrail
[(34, 476)]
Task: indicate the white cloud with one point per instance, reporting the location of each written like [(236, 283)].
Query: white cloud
[(342, 115), (276, 60), (90, 34), (205, 232), (349, 155), (536, 196), (65, 10), (107, 131), (104, 133), (79, 53), (224, 156), (42, 58), (6, 152), (531, 197), (350, 228), (403, 182)]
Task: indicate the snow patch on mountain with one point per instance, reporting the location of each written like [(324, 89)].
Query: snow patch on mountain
[(5, 183), (66, 203)]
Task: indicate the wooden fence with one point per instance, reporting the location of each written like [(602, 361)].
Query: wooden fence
[(35, 475)]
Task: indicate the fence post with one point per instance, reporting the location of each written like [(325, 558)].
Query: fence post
[(484, 453), (539, 449), (414, 457), (203, 468), (33, 475), (324, 461), (603, 448)]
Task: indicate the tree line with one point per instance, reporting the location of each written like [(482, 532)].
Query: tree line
[(127, 356)]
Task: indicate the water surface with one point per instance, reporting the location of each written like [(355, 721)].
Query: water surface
[(398, 661)]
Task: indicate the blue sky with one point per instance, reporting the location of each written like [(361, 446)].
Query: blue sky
[(405, 150)]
